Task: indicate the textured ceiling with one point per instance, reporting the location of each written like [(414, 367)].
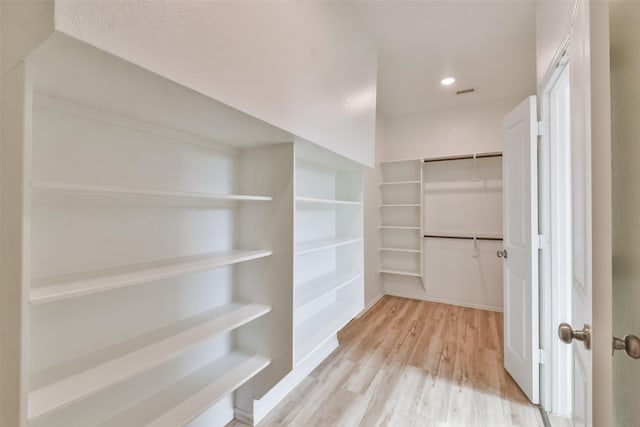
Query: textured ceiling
[(487, 45)]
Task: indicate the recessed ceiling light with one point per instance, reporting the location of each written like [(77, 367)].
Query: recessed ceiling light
[(448, 81)]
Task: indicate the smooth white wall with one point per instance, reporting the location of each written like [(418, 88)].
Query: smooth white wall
[(625, 92), (469, 129), (307, 67), (452, 273), (373, 289)]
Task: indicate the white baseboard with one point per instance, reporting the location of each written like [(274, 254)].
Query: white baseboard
[(274, 396), (444, 301), (368, 306)]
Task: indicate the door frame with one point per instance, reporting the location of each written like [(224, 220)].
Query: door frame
[(555, 300), (601, 208)]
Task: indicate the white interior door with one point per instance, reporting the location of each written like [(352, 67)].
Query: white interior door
[(520, 234)]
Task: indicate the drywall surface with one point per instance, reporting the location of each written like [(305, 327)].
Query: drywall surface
[(306, 67), (25, 25), (553, 24), (373, 290), (475, 128), (455, 271), (625, 101)]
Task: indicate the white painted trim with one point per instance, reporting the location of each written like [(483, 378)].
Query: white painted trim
[(555, 302), (445, 301), (262, 407), (370, 305)]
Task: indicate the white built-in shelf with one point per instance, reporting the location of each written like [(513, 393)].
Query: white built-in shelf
[(318, 201), (400, 205), (400, 183), (398, 227), (322, 244), (53, 289), (463, 236), (399, 161), (316, 330), (415, 251), (190, 397), (400, 272), (174, 341), (313, 289), (97, 190)]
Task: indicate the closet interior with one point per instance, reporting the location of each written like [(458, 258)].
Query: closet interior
[(180, 258), (441, 227)]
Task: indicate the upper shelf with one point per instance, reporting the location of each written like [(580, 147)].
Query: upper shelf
[(319, 201), (463, 157), (96, 190), (65, 287), (175, 340), (322, 244)]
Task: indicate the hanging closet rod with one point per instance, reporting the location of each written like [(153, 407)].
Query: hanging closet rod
[(442, 236), (463, 157)]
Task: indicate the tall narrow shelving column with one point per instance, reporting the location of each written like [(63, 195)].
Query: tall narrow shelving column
[(328, 278), (328, 285), (401, 218)]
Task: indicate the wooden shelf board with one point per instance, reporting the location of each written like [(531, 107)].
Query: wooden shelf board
[(315, 331), (175, 340), (415, 251), (313, 200), (322, 244), (79, 189), (188, 398), (313, 289), (400, 272), (400, 183), (53, 289)]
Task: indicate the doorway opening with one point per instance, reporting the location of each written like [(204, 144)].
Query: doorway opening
[(556, 261)]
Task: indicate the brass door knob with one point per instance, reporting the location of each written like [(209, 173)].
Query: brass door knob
[(567, 334), (502, 254), (630, 344)]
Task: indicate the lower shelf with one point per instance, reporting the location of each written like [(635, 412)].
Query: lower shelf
[(313, 332), (166, 344), (402, 273), (189, 398)]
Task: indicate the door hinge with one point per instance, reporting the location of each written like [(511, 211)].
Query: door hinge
[(542, 242), (540, 128), (542, 359)]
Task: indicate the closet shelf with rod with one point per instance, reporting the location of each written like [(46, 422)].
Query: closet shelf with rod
[(462, 236), (463, 157)]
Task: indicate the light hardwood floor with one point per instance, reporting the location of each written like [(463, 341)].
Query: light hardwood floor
[(411, 363)]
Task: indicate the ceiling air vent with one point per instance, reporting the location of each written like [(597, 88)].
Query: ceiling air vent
[(465, 91)]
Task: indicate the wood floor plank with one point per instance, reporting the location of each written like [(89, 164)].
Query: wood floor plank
[(411, 363)]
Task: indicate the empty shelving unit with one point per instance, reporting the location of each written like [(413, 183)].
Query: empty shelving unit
[(401, 217), (152, 235), (328, 287), (328, 278)]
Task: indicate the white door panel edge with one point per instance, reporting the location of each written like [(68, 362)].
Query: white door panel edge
[(520, 234)]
